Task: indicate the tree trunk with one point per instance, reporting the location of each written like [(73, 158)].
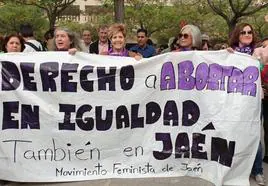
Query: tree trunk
[(232, 25), (119, 11), (52, 21)]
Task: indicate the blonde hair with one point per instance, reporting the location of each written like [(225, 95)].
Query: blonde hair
[(196, 35), (115, 28)]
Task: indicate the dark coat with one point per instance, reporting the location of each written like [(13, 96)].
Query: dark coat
[(94, 47)]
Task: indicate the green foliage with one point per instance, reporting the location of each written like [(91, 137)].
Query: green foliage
[(12, 16), (215, 24), (78, 28), (72, 25), (104, 19), (52, 8), (233, 11), (160, 19), (152, 15), (259, 24)]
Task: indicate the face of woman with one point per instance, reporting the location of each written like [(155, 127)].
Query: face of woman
[(185, 39), (118, 41), (13, 45), (62, 40), (245, 36)]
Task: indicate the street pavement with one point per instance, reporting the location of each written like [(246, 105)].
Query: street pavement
[(181, 181)]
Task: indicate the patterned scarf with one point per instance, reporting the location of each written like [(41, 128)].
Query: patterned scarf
[(123, 52), (246, 50), (184, 49)]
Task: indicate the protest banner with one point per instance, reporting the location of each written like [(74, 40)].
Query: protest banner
[(85, 117)]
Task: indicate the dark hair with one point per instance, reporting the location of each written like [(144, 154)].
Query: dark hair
[(150, 42), (173, 44), (26, 30), (234, 39), (7, 38), (163, 46), (49, 34), (1, 42), (142, 30)]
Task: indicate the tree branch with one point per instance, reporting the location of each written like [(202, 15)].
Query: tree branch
[(232, 7), (246, 5), (255, 10), (217, 10)]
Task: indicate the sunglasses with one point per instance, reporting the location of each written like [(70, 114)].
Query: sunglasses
[(185, 36), (246, 32)]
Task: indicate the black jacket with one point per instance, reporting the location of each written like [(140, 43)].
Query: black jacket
[(94, 47)]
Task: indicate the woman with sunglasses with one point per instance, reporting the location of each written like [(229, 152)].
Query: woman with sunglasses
[(190, 38), (243, 40)]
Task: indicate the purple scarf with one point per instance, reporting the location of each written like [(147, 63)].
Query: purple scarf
[(62, 50), (123, 52), (246, 50), (184, 49)]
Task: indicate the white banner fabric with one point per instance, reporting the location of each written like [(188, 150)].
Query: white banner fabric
[(85, 117)]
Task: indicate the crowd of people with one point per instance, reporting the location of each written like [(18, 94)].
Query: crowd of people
[(112, 41), (188, 38)]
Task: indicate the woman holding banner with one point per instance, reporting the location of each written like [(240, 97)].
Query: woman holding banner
[(66, 40), (190, 38), (243, 40), (117, 36), (13, 43)]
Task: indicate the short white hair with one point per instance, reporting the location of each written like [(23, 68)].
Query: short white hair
[(196, 35)]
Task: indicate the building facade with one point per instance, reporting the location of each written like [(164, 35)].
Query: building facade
[(83, 11)]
